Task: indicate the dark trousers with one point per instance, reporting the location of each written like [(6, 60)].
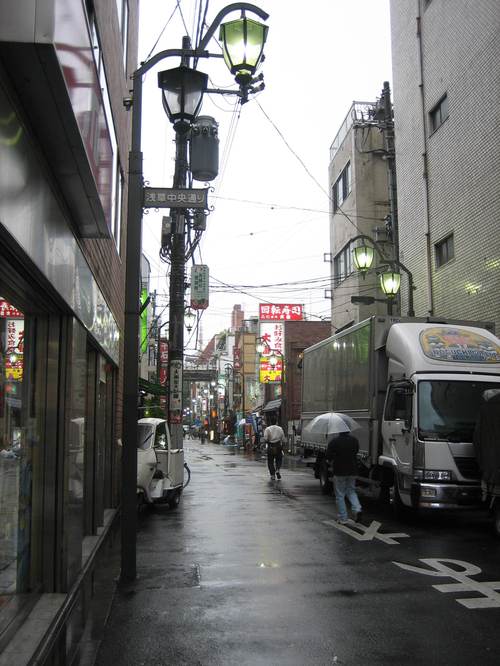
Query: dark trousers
[(274, 461)]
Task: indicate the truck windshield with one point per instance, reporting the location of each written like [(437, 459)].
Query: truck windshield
[(448, 410)]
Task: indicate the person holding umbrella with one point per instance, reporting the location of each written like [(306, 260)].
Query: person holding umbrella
[(342, 450)]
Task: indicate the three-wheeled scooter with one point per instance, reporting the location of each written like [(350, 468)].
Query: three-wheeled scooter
[(160, 469)]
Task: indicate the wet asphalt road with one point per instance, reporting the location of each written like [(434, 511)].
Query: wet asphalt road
[(255, 572)]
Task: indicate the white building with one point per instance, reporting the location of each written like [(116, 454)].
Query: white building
[(446, 63)]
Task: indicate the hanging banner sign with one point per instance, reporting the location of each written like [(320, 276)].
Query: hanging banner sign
[(199, 287), (280, 312), (268, 374), (273, 335), (169, 197)]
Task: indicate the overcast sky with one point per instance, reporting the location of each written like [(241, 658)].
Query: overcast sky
[(270, 219)]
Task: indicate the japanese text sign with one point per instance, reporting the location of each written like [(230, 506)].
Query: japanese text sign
[(199, 287), (273, 336), (280, 312), (167, 197)]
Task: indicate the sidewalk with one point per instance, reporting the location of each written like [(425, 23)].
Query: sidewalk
[(222, 579)]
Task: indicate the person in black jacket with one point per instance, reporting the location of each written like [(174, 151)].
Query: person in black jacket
[(342, 450)]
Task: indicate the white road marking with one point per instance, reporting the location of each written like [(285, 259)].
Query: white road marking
[(368, 533), (490, 598)]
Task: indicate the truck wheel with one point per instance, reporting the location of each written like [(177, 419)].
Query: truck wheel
[(384, 494), (496, 518), (324, 480), (400, 509)]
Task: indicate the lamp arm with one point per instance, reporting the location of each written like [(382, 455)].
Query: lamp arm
[(244, 6), (411, 286), (374, 243)]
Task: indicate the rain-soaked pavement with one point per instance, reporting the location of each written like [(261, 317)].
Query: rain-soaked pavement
[(256, 572)]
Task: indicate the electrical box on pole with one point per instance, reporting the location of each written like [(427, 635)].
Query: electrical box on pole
[(204, 149)]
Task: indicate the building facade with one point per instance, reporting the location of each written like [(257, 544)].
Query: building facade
[(64, 141), (446, 58), (359, 204)]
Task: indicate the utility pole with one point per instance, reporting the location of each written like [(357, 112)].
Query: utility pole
[(177, 283), (388, 131)]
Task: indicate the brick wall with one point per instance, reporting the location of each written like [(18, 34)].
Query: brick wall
[(298, 336)]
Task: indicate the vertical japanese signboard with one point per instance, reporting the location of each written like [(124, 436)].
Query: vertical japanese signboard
[(199, 287), (175, 391), (163, 363)]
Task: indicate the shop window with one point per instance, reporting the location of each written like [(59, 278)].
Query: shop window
[(15, 454)]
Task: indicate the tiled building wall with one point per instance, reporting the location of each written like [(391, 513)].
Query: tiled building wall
[(460, 58)]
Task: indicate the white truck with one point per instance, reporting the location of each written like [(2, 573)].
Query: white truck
[(414, 386)]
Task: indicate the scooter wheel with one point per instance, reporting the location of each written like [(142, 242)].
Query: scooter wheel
[(174, 500)]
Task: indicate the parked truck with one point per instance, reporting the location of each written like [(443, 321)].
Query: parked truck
[(414, 387)]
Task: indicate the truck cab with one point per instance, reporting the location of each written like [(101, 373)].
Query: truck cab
[(437, 376)]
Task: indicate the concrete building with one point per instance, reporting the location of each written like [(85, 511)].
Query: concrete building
[(359, 204), (446, 59), (64, 142)]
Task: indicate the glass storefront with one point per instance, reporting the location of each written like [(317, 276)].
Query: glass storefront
[(15, 454)]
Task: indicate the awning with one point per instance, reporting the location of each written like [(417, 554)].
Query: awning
[(272, 406)]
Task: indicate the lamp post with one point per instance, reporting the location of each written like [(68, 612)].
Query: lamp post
[(182, 94), (390, 280)]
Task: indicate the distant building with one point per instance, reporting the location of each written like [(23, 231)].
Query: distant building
[(358, 179), (237, 317), (298, 336), (446, 59)]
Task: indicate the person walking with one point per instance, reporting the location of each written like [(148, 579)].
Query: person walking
[(274, 438), (342, 450)]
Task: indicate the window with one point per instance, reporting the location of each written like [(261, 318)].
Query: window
[(342, 187), (444, 250), (112, 177), (439, 113), (398, 405), (122, 9), (342, 264)]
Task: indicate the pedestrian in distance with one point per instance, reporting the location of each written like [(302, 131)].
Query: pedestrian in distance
[(274, 437), (342, 450)]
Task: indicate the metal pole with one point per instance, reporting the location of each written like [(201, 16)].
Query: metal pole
[(391, 165), (131, 343)]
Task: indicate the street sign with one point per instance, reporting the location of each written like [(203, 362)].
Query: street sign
[(169, 197), (199, 287)]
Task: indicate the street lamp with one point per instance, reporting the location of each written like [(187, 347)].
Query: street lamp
[(243, 44), (390, 281), (182, 95), (181, 98), (189, 319)]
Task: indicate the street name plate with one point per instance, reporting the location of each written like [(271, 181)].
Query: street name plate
[(168, 197)]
